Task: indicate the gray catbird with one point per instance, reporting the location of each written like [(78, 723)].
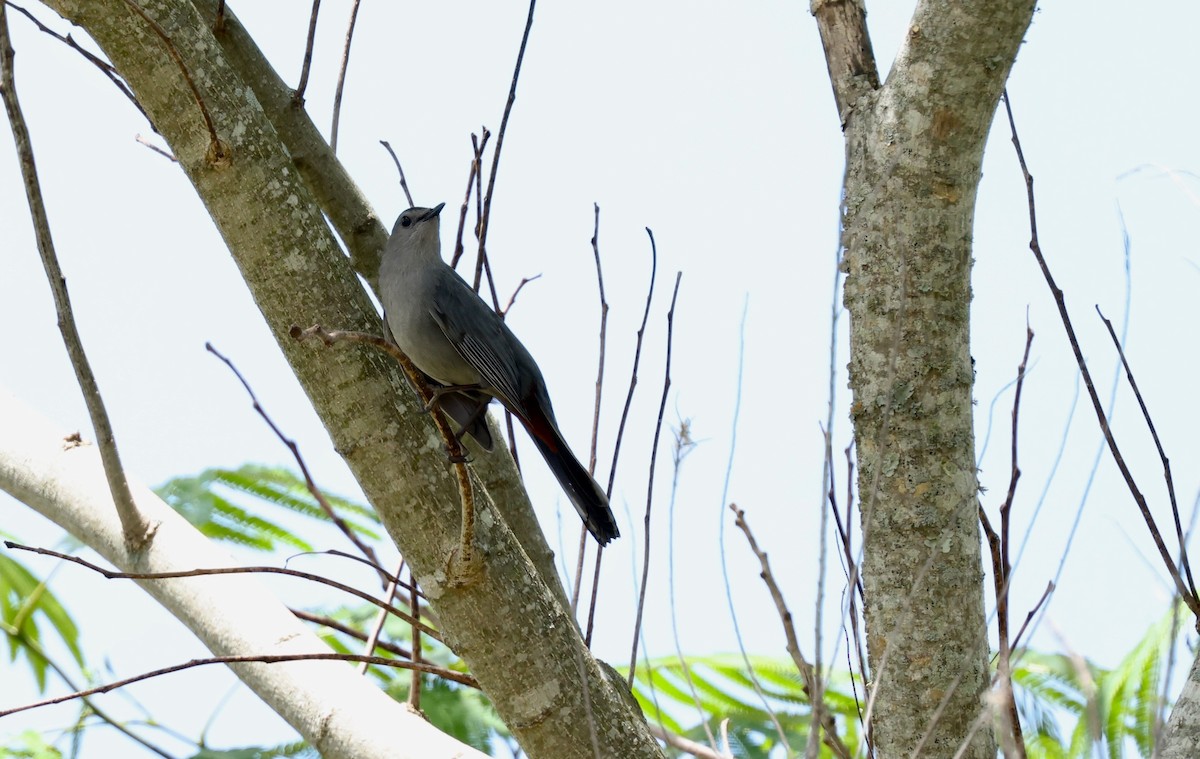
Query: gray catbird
[(459, 341)]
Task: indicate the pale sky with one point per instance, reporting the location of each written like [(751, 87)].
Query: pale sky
[(713, 124)]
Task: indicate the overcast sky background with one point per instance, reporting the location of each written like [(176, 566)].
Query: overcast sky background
[(712, 123)]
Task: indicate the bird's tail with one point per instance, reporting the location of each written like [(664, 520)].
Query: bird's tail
[(581, 488)]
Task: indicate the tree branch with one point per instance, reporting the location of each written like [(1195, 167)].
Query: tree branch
[(268, 217), (342, 715), (138, 531)]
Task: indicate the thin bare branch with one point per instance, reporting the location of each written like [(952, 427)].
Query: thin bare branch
[(508, 106), (999, 547), (477, 146), (110, 574), (219, 154), (347, 630), (137, 531), (389, 593), (612, 470), (1032, 613), (1185, 593), (298, 93), (662, 406), (581, 553), (1162, 454), (399, 170), (513, 298), (341, 82), (253, 659), (684, 744), (727, 584), (19, 633), (807, 675), (414, 688), (105, 67), (164, 153), (309, 483), (602, 340)]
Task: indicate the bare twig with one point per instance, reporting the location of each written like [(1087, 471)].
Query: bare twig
[(477, 147), (110, 574), (105, 67), (637, 357), (18, 633), (683, 446), (633, 380), (414, 689), (298, 93), (164, 153), (136, 530), (1032, 613), (341, 82), (218, 155), (250, 659), (508, 106), (399, 170), (684, 744), (1162, 454), (347, 630), (999, 545), (662, 405), (868, 732), (340, 523), (603, 342), (728, 585), (1185, 593), (389, 593), (807, 675), (827, 485), (582, 552), (513, 298), (854, 593)]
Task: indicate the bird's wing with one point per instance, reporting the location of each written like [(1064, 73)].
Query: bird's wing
[(480, 337)]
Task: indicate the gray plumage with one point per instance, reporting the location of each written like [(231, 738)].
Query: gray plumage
[(460, 342)]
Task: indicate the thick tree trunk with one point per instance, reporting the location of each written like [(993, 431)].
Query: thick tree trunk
[(554, 697), (913, 152)]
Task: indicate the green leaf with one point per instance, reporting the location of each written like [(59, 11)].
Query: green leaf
[(205, 501), (25, 600)]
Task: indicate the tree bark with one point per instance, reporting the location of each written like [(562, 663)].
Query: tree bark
[(1181, 740), (555, 697), (913, 152)]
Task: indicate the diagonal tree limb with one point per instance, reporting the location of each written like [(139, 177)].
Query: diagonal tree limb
[(342, 715), (138, 531), (363, 235), (276, 232)]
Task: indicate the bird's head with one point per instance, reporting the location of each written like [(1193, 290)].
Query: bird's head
[(417, 229)]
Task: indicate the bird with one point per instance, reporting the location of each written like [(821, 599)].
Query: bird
[(453, 337)]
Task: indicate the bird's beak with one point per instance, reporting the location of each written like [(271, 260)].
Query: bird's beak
[(432, 213)]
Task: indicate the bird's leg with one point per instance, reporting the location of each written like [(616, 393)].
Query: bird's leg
[(475, 416), (439, 390)]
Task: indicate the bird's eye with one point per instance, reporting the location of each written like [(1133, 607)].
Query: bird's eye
[(405, 221)]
